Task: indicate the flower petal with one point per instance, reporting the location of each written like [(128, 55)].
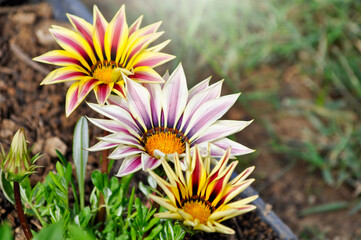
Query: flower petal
[(221, 129), (208, 113), (149, 162), (200, 99), (237, 149), (116, 36), (99, 27), (74, 43), (119, 114), (108, 125), (130, 165), (139, 103), (151, 59), (71, 101), (86, 85), (135, 26), (102, 92), (175, 94), (146, 74), (123, 151), (59, 58), (83, 27), (155, 102), (197, 88), (100, 146), (64, 74)]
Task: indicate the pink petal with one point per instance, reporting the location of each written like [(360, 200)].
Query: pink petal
[(123, 151), (197, 88), (149, 162), (208, 113), (108, 125), (221, 129), (83, 27), (102, 146), (139, 103), (71, 101), (86, 86), (130, 165), (135, 26), (151, 59), (99, 27), (146, 74), (237, 149), (102, 92)]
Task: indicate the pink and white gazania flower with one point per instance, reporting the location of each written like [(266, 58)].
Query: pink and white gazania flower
[(158, 120), (95, 57), (201, 198)]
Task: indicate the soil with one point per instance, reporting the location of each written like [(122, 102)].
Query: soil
[(40, 109), (287, 185)]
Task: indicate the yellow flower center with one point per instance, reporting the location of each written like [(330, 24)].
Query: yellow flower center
[(103, 74), (109, 71), (166, 142), (198, 209)]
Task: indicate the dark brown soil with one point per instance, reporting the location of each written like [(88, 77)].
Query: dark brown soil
[(40, 109)]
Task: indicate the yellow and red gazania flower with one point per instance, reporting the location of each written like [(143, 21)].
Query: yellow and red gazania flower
[(96, 56), (201, 198)]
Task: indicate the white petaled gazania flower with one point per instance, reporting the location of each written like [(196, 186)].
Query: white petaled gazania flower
[(95, 57), (158, 120), (202, 198)]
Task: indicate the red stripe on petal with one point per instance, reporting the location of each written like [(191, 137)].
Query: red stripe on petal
[(134, 164), (102, 92), (75, 46), (87, 87), (68, 75)]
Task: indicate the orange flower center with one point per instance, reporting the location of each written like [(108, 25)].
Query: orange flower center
[(198, 209), (108, 72), (166, 140), (103, 74)]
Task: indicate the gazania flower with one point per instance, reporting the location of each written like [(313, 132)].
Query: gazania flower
[(201, 198), (96, 56), (157, 121)]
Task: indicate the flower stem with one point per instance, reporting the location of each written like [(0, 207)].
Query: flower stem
[(20, 210)]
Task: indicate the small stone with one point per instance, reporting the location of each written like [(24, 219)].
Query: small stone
[(52, 144), (268, 208), (24, 18), (8, 129)]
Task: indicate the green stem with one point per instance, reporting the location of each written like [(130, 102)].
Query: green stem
[(20, 210), (42, 222)]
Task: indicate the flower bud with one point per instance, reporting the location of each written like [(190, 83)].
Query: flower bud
[(17, 164)]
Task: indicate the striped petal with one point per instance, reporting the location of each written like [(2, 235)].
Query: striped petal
[(208, 113), (74, 43), (71, 101), (197, 88), (86, 85), (149, 162), (159, 47), (108, 125), (123, 151), (135, 26), (102, 92), (175, 94), (64, 74), (221, 129), (99, 28), (146, 74), (119, 89), (83, 28), (151, 59), (116, 36), (200, 99), (138, 103), (100, 146), (155, 102), (59, 58), (130, 165), (118, 114), (237, 149)]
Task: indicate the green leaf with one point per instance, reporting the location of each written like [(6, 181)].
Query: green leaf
[(80, 155), (5, 232), (61, 157), (98, 180), (154, 233), (53, 232), (76, 233), (6, 187)]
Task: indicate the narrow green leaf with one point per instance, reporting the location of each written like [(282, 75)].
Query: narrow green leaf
[(154, 233), (6, 187), (80, 155)]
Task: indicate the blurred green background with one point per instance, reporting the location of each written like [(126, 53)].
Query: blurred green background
[(297, 64)]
